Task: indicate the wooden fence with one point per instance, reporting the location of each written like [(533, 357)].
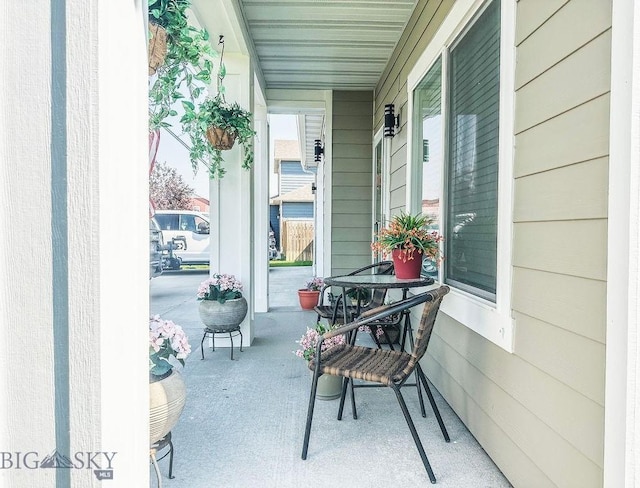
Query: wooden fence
[(297, 240)]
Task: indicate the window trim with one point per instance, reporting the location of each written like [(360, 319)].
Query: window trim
[(491, 320)]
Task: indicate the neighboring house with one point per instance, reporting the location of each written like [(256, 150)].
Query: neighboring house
[(295, 199), (199, 204)]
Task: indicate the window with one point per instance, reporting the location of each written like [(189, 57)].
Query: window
[(472, 165), (470, 168), (460, 159)]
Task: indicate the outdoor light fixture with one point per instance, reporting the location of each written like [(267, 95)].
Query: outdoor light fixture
[(318, 150), (391, 120)]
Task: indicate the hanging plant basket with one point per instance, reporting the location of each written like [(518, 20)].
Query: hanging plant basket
[(220, 138), (157, 47)]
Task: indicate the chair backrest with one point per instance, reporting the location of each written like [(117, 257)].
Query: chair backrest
[(379, 294), (382, 267), (425, 327)]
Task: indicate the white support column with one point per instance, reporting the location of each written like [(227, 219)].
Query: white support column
[(622, 391), (326, 196), (261, 204), (231, 201), (75, 276)]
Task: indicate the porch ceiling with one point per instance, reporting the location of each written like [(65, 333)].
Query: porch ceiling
[(310, 45), (324, 44)]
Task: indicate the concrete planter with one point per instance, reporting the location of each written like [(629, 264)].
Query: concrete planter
[(222, 317)]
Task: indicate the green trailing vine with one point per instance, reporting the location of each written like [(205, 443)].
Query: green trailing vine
[(189, 59)]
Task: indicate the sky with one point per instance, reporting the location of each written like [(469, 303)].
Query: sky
[(174, 153)]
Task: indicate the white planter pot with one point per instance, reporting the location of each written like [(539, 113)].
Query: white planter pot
[(166, 401), (329, 387)]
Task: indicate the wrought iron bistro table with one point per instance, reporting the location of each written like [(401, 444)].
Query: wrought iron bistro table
[(347, 282)]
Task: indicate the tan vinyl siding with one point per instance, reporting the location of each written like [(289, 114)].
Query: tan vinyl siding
[(539, 411), (351, 175)]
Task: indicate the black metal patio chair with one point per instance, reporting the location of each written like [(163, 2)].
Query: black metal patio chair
[(384, 366), (333, 312)]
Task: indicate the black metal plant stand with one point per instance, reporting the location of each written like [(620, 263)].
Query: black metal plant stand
[(154, 449), (233, 330)]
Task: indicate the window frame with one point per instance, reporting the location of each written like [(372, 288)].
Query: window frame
[(491, 320)]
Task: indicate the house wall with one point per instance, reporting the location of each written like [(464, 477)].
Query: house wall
[(297, 210), (538, 412), (351, 221), (292, 176)]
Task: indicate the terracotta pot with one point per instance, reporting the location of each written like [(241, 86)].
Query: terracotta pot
[(308, 299), (221, 317), (220, 138), (407, 265), (167, 395)]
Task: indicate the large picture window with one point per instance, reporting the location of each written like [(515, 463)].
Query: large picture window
[(456, 140)]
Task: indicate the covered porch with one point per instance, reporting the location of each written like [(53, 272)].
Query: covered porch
[(541, 370)]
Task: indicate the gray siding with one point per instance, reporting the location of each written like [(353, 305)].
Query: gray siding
[(539, 412), (292, 176), (297, 210), (351, 227)]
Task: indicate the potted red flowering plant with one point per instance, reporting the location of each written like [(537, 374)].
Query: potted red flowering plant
[(408, 240)]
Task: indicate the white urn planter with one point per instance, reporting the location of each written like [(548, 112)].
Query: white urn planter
[(167, 395)]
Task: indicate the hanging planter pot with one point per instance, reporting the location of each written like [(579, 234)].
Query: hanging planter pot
[(220, 138), (157, 47)]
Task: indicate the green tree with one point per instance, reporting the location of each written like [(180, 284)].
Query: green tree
[(168, 190)]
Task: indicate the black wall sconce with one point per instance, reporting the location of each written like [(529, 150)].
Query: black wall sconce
[(391, 120), (318, 150), (313, 188)]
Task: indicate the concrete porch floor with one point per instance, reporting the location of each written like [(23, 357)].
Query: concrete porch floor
[(244, 420)]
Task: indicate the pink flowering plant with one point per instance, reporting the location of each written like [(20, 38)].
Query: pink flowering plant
[(309, 341), (314, 284), (220, 287), (166, 339)]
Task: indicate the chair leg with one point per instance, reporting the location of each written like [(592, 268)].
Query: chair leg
[(414, 433), (353, 400), (432, 401), (420, 400), (343, 396), (312, 401)]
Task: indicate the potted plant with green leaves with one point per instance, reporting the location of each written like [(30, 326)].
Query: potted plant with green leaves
[(329, 387), (310, 294), (167, 392), (408, 239), (186, 69), (222, 306), (215, 125)]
